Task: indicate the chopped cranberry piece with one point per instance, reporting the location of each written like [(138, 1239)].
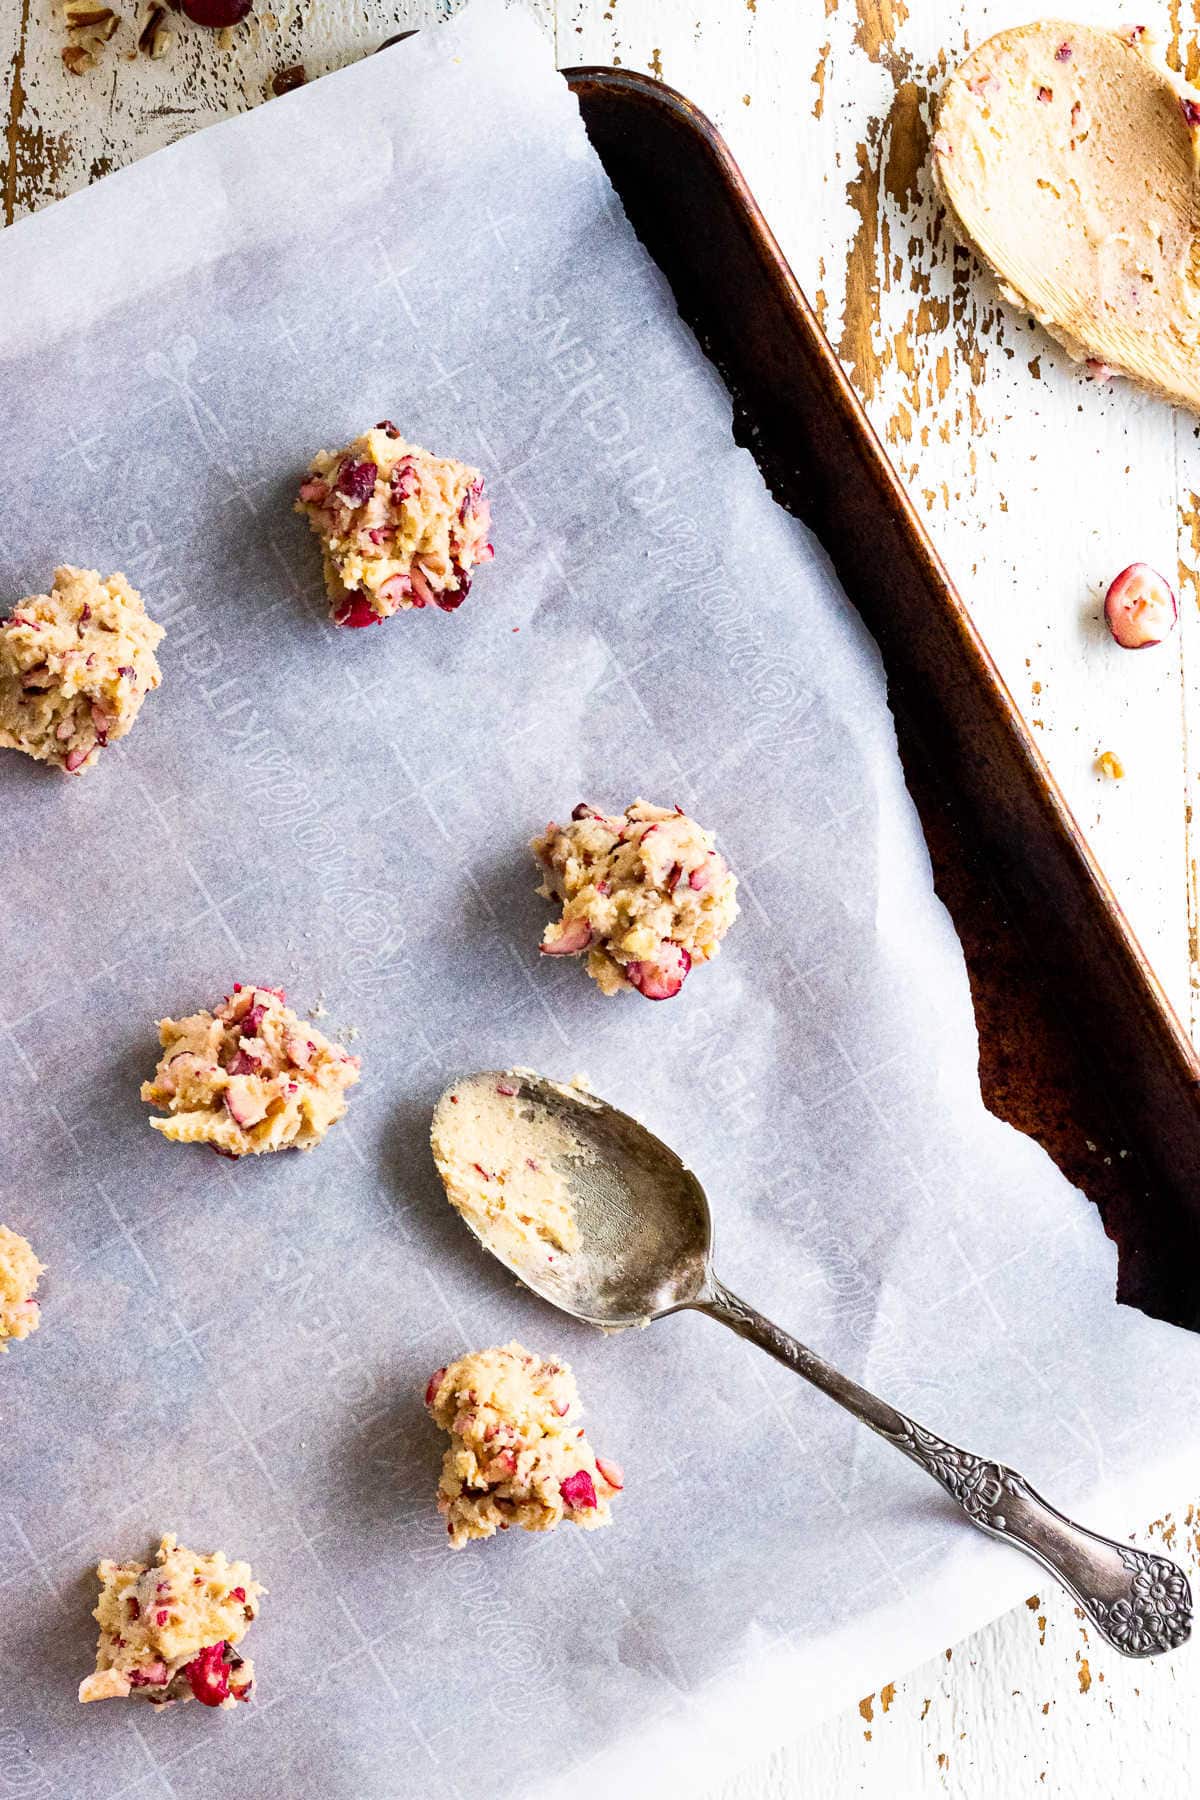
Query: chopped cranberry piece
[(584, 811), (575, 935), (612, 1472), (450, 599), (356, 611), (216, 13), (1063, 53), (675, 877), (1191, 111), (1140, 609), (578, 1491), (404, 480), (313, 490), (388, 429), (149, 1675), (237, 1593), (502, 1087), (126, 671), (662, 979), (435, 1382), (76, 756), (208, 1675), (161, 1616), (356, 480), (85, 613), (252, 1023)]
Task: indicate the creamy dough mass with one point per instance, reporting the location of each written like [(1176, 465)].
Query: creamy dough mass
[(1067, 155), (500, 1172), (646, 896), (20, 1272), (75, 666), (399, 528), (168, 1630), (517, 1454), (249, 1078)]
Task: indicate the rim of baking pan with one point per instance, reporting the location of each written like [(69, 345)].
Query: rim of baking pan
[(648, 90)]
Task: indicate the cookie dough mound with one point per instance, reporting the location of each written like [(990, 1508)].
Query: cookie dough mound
[(646, 896), (517, 1452), (169, 1630), (75, 666), (19, 1274), (499, 1171), (248, 1078), (399, 528)]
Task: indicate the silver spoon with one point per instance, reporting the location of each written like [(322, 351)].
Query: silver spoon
[(645, 1250)]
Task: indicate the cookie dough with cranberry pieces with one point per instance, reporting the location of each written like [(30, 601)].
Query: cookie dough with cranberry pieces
[(517, 1453), (399, 528), (75, 667), (20, 1272), (645, 896), (169, 1630), (249, 1078)]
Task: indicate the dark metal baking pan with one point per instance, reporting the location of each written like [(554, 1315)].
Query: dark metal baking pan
[(1079, 1046)]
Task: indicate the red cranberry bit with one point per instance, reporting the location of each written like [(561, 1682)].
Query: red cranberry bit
[(355, 612), (380, 535), (356, 480), (451, 598), (1191, 111), (208, 1675), (612, 1472), (404, 481), (1097, 370), (435, 1382), (126, 671), (85, 613), (1140, 609), (149, 1675), (502, 1087), (1063, 53), (662, 979), (675, 877), (584, 811), (75, 757), (237, 1593), (388, 429), (101, 721), (161, 1616), (216, 13), (578, 1491), (313, 490), (242, 1064), (576, 935), (252, 1023)]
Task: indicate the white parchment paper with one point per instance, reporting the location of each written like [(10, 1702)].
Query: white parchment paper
[(238, 1352)]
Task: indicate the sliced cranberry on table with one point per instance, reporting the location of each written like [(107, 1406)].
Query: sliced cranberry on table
[(216, 13), (662, 978), (355, 612), (1140, 608), (578, 1491)]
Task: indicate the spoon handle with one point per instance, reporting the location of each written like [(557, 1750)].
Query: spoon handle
[(1139, 1603)]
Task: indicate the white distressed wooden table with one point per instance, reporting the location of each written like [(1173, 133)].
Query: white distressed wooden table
[(1036, 487)]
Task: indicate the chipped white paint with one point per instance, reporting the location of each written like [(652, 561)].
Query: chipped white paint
[(1036, 487)]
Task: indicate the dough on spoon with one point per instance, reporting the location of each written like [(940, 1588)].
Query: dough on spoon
[(497, 1157), (517, 1453), (20, 1271), (1067, 156), (168, 1629)]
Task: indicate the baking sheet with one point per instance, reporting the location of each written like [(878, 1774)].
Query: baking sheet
[(238, 1352)]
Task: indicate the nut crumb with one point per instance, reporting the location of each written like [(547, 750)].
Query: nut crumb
[(1110, 765), (155, 36), (76, 59), (285, 80)]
